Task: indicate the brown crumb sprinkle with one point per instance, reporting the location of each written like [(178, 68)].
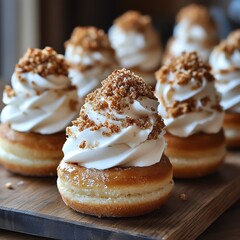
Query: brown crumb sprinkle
[(73, 104), (197, 14), (185, 67), (183, 196), (82, 144), (9, 185), (9, 91), (133, 20), (180, 108), (119, 86), (231, 44), (205, 101), (43, 62), (89, 38)]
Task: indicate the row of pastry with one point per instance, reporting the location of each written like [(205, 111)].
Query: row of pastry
[(115, 161)]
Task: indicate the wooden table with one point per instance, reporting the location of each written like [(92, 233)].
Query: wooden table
[(226, 227)]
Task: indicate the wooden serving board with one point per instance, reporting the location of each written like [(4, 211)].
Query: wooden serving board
[(35, 207)]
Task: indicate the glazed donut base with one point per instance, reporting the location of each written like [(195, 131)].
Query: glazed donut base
[(119, 207), (232, 129), (196, 156), (115, 192), (30, 154)]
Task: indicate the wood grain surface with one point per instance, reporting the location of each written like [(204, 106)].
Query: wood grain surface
[(35, 207), (227, 226)]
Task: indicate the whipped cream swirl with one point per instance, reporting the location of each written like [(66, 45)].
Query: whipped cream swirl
[(44, 105), (188, 37), (188, 32), (96, 66), (126, 144), (129, 147), (189, 108), (226, 69), (136, 49)]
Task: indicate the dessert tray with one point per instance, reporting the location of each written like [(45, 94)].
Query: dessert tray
[(34, 206)]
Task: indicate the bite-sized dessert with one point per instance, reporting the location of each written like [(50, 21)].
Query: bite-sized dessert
[(91, 59), (189, 105), (137, 44), (113, 161), (40, 104), (195, 30), (225, 63)]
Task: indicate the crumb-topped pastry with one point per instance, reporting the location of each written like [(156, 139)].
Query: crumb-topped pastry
[(40, 104), (113, 161), (137, 44), (91, 59), (190, 107), (195, 30), (225, 62)]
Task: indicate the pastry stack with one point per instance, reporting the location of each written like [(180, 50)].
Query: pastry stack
[(40, 104), (225, 63), (190, 107), (113, 161)]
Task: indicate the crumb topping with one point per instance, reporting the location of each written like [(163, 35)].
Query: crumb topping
[(9, 91), (231, 44), (183, 196), (89, 38), (73, 104), (82, 144), (119, 85), (133, 20), (196, 14), (181, 108), (234, 36), (9, 185), (185, 68), (43, 62), (117, 93)]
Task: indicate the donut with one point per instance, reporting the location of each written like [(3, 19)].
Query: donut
[(115, 192), (197, 155), (30, 154), (232, 129)]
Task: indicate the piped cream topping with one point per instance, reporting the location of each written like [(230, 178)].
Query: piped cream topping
[(225, 63), (118, 126), (91, 59), (195, 30), (41, 98), (188, 99), (135, 41)]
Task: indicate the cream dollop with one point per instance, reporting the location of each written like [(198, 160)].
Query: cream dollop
[(135, 49), (188, 37), (44, 105), (204, 119), (98, 64), (117, 126), (179, 46), (186, 31), (226, 69), (128, 147)]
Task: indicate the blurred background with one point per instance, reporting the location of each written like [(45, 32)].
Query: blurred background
[(40, 23)]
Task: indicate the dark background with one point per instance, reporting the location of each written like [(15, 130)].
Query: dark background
[(59, 17)]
